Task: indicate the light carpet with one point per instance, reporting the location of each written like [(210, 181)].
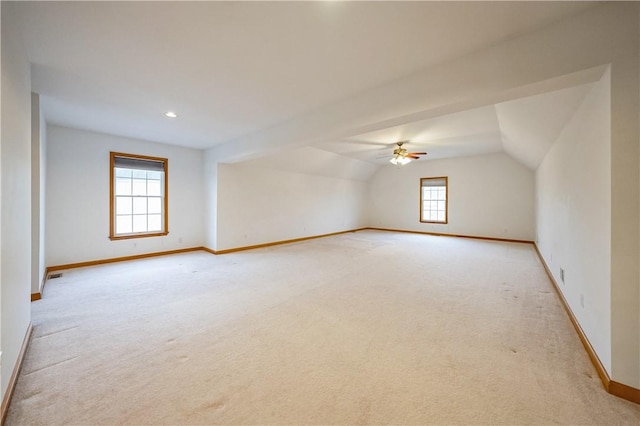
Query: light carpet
[(360, 328)]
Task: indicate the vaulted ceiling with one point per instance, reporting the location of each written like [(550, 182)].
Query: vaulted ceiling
[(233, 70), (524, 128)]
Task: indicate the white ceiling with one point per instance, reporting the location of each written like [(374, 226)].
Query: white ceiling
[(529, 126), (470, 132), (524, 128), (231, 69)]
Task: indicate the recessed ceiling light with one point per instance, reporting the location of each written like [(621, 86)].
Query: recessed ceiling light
[(171, 114)]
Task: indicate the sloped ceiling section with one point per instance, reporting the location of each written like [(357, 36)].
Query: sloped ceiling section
[(464, 133), (523, 128), (315, 161), (529, 126)]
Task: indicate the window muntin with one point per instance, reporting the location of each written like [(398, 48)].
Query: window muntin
[(138, 202), (434, 200)]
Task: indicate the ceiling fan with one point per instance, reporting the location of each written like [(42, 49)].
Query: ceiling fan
[(402, 156)]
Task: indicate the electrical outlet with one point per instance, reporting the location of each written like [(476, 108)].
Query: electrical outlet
[(562, 275)]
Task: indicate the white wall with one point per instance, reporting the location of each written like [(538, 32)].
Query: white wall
[(489, 196), (15, 192), (625, 195), (1, 365), (77, 216), (38, 191), (573, 215), (259, 205), (42, 266), (211, 201)]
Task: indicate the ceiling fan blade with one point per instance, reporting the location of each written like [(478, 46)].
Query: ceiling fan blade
[(417, 153), (413, 157)]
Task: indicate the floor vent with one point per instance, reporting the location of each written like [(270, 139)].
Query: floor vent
[(52, 276)]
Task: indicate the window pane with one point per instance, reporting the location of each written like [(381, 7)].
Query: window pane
[(139, 174), (139, 187), (140, 223), (154, 175), (123, 186), (154, 187), (123, 205), (155, 205), (442, 194), (126, 173), (123, 224), (140, 205), (441, 205), (155, 222), (441, 216)]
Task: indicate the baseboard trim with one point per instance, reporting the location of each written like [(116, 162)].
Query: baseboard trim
[(614, 388), (119, 259), (438, 234), (276, 243), (15, 374), (602, 373), (43, 281), (251, 247), (625, 392), (164, 253)]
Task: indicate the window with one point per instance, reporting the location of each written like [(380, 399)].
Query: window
[(138, 201), (433, 200)]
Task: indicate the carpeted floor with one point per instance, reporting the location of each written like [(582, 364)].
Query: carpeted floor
[(361, 328)]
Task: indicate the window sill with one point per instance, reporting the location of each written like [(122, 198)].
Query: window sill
[(130, 236)]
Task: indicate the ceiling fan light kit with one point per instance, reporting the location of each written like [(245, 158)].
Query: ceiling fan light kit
[(399, 160)]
